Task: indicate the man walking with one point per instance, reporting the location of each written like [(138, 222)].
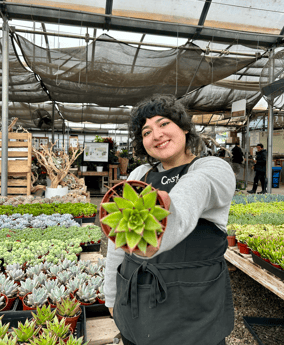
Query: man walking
[(237, 158), (260, 170)]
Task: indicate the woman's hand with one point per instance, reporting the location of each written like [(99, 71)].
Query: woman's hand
[(110, 311)]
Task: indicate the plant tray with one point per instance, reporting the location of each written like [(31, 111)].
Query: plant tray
[(85, 220), (276, 271), (266, 331), (91, 247), (96, 310), (22, 315), (14, 307)]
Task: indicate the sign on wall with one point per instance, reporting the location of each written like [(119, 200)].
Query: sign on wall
[(96, 152)]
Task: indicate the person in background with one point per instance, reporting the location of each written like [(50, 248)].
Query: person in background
[(179, 293), (237, 158), (260, 170)]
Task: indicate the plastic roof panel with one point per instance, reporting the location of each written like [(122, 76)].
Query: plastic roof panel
[(247, 15), (182, 11)]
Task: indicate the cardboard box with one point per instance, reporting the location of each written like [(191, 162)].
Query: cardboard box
[(231, 140), (233, 134)]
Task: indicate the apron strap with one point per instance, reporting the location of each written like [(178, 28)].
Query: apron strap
[(158, 290)]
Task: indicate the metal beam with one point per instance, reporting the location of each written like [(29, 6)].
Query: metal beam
[(67, 17), (218, 51), (5, 106), (202, 18)]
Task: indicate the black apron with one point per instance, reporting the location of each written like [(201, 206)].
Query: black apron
[(182, 296)]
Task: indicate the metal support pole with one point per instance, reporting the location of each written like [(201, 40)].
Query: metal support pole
[(5, 106), (270, 125), (53, 116), (247, 150)]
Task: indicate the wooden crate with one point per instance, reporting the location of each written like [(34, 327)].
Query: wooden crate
[(19, 169)]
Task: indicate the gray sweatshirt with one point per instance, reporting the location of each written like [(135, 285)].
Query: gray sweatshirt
[(205, 192)]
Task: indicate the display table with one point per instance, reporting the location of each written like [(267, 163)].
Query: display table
[(245, 263)]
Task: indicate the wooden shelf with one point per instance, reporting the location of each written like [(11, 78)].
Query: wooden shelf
[(93, 173), (245, 263)]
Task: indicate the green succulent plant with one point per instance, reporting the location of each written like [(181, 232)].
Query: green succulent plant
[(68, 307), (73, 341), (43, 314), (45, 339), (7, 340), (59, 328), (135, 220), (3, 328), (25, 331)]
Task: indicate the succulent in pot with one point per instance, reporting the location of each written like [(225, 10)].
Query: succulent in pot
[(16, 274), (133, 220), (25, 331), (9, 288), (3, 305), (7, 340), (70, 310), (45, 339), (58, 293), (72, 341), (58, 328), (38, 297), (27, 286), (43, 314), (86, 294)]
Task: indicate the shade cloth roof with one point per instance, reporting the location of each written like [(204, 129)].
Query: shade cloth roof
[(103, 78)]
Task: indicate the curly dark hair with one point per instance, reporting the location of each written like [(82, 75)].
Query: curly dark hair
[(163, 105)]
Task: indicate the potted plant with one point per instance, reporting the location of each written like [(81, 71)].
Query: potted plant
[(73, 341), (86, 294), (231, 237), (3, 328), (43, 314), (3, 304), (57, 166), (58, 328), (38, 297), (134, 216), (45, 339), (70, 310), (25, 331), (123, 161)]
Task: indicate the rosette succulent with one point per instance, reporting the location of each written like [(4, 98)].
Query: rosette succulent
[(135, 219)]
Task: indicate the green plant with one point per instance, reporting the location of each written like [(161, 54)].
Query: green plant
[(73, 341), (58, 293), (7, 340), (3, 328), (68, 307), (2, 303), (135, 219), (59, 328), (87, 293), (43, 314), (45, 339), (231, 232), (124, 153), (25, 331), (37, 298)]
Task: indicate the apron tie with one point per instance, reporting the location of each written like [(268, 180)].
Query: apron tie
[(158, 290)]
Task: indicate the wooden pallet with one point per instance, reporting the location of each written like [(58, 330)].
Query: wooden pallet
[(245, 263), (19, 163)]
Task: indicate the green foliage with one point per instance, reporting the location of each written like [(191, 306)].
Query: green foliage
[(7, 340), (43, 314), (124, 153), (25, 331), (135, 219), (56, 327), (68, 307), (73, 341), (76, 209), (3, 328), (45, 339)]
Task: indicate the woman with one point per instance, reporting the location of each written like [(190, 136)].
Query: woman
[(181, 294)]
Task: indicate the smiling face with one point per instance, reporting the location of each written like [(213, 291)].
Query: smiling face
[(165, 141)]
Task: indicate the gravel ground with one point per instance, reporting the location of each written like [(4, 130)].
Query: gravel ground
[(250, 299)]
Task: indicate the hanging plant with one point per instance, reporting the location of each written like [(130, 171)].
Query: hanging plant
[(133, 220)]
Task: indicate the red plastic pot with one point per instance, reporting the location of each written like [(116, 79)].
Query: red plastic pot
[(9, 303), (25, 306), (231, 241), (70, 320), (244, 249), (276, 266), (256, 253), (162, 200), (6, 299)]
